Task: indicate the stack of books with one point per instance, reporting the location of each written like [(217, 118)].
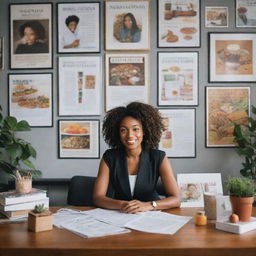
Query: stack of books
[(14, 205)]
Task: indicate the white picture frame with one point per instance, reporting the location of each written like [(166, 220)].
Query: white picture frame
[(245, 13), (216, 17)]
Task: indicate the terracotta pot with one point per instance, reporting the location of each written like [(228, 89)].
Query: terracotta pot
[(242, 206)]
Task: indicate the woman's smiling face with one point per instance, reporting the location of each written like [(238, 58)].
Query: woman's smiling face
[(30, 36), (128, 22)]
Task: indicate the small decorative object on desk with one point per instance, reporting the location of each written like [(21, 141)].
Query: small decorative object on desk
[(39, 219), (200, 218), (210, 205), (23, 184)]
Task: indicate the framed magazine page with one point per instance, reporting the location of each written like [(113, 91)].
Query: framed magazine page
[(177, 78), (216, 17), (127, 79), (178, 23), (178, 138), (1, 53), (127, 25), (30, 98), (78, 138), (79, 85), (193, 186), (31, 36), (232, 57), (225, 107), (245, 13), (78, 27)]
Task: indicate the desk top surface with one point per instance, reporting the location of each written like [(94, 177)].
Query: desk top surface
[(189, 240)]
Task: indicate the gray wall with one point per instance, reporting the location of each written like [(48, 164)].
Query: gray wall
[(224, 160)]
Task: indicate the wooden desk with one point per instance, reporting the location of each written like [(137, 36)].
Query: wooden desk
[(190, 240)]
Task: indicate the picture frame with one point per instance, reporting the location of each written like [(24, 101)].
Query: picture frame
[(31, 36), (31, 98), (177, 78), (78, 138), (79, 85), (1, 53), (127, 78), (75, 33), (127, 25), (232, 57), (178, 139), (178, 23), (216, 16), (225, 107), (192, 187), (245, 13)]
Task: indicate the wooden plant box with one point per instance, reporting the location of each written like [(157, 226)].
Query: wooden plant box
[(39, 221)]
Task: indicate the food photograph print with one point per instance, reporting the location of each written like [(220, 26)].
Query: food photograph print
[(225, 107)]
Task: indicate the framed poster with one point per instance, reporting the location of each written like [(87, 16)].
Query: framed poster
[(232, 57), (78, 138), (1, 53), (31, 36), (245, 13), (79, 85), (178, 23), (177, 78), (127, 25), (78, 27), (193, 186), (216, 17), (30, 98), (225, 107), (127, 79), (178, 138)]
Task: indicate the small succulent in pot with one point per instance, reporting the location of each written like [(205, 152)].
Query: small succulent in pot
[(39, 208)]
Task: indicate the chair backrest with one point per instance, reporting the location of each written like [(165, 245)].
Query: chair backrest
[(80, 191)]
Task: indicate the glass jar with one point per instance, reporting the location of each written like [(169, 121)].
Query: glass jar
[(200, 218)]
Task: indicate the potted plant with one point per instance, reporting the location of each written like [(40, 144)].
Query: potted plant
[(241, 192), (15, 153), (39, 219)]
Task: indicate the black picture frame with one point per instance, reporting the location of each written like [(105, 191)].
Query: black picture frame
[(169, 10), (31, 100), (76, 141), (92, 47), (179, 80), (31, 53)]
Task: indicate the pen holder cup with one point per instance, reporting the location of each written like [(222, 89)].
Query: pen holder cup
[(23, 186)]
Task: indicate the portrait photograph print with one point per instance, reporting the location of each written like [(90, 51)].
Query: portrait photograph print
[(178, 23), (30, 98), (30, 36), (216, 17), (245, 13), (127, 25), (78, 27), (127, 79), (232, 57), (225, 107), (178, 138), (78, 138), (177, 78)]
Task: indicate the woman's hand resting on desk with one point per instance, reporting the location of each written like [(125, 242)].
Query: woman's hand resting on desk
[(135, 206)]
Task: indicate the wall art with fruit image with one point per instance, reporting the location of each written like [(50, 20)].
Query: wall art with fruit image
[(30, 98), (78, 138)]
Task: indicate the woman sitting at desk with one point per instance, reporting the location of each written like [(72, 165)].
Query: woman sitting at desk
[(133, 165)]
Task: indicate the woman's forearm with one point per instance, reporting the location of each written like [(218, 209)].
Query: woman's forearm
[(167, 203), (108, 203)]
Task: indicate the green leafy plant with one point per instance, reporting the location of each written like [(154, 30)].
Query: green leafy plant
[(39, 208), (15, 153), (240, 187), (245, 137)]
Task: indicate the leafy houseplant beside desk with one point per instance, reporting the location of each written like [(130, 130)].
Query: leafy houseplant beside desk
[(189, 240)]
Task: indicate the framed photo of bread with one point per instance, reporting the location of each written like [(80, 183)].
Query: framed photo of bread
[(78, 27), (31, 36), (232, 57), (216, 17), (225, 107), (177, 78), (127, 25), (178, 23), (78, 138), (127, 79), (31, 98), (245, 13)]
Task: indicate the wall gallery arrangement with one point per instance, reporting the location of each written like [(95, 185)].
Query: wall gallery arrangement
[(127, 42)]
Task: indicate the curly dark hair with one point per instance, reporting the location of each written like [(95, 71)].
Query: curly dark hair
[(71, 18), (149, 117), (36, 26)]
